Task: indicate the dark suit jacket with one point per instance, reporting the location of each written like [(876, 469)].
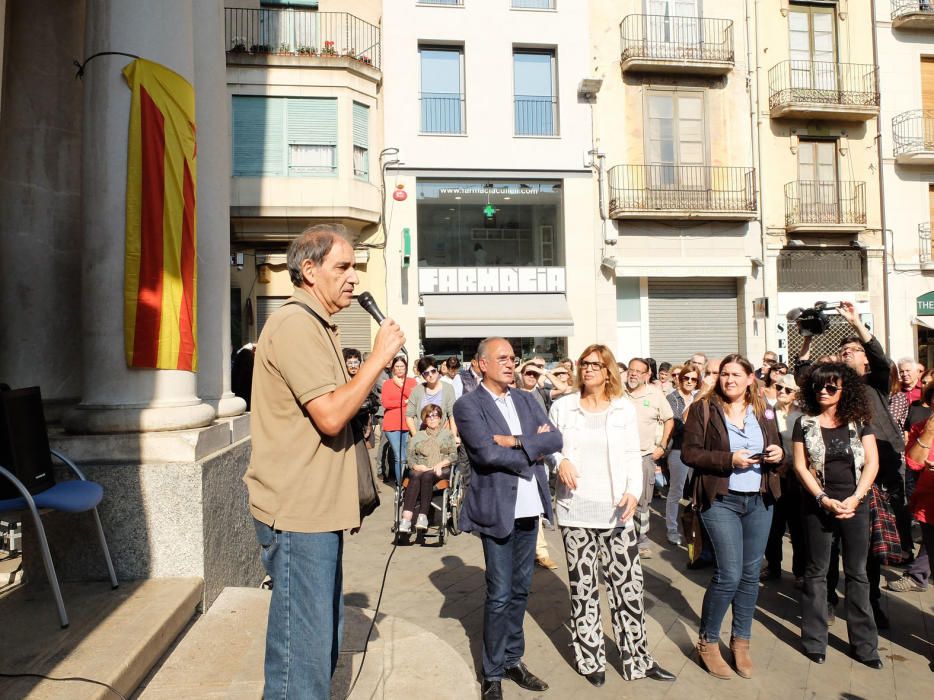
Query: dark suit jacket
[(707, 450), (490, 505)]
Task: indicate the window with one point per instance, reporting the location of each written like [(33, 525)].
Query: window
[(440, 2), (533, 4), (361, 140), (302, 4), (279, 136), (812, 44), (817, 180), (442, 93), (672, 22), (534, 83), (675, 139)]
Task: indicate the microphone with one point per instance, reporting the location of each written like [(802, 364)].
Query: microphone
[(369, 305)]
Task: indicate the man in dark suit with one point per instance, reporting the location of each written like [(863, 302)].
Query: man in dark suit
[(507, 435)]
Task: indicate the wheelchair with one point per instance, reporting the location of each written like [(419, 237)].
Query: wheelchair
[(446, 502)]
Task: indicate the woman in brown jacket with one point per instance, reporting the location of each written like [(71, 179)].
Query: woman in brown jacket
[(732, 442)]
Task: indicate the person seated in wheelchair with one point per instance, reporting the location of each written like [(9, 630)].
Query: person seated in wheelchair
[(431, 453)]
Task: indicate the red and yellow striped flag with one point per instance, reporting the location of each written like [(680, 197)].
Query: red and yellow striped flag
[(160, 277)]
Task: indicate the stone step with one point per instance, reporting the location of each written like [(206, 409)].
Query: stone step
[(115, 636), (221, 656)]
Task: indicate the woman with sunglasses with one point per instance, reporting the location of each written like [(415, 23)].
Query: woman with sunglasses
[(393, 397), (433, 452), (431, 391), (688, 379), (836, 461), (732, 441), (787, 513), (770, 382), (598, 488)]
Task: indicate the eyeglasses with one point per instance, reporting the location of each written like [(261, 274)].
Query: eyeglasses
[(431, 371), (850, 350), (433, 415), (529, 374), (504, 360), (353, 363), (584, 364), (561, 372), (689, 379), (785, 390), (782, 372), (831, 389)]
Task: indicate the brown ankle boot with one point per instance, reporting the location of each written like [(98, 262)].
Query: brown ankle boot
[(709, 654), (741, 657)]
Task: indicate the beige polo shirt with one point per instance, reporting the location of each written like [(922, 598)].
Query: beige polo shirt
[(652, 410), (299, 479)]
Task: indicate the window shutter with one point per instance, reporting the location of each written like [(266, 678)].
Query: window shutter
[(361, 125), (257, 136), (313, 120)]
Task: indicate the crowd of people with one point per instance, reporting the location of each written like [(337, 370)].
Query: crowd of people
[(837, 450)]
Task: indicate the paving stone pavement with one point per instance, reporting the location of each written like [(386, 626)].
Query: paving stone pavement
[(442, 590)]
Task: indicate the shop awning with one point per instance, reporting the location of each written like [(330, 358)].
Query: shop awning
[(509, 315), (926, 321)]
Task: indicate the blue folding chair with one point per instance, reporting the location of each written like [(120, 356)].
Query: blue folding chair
[(24, 445)]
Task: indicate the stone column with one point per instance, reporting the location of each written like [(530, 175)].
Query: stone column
[(211, 107), (40, 199), (115, 398)]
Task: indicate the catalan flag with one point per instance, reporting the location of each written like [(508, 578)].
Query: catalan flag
[(160, 270)]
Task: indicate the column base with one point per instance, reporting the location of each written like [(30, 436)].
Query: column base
[(227, 406), (129, 419)]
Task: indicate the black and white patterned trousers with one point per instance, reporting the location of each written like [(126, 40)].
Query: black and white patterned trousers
[(618, 558)]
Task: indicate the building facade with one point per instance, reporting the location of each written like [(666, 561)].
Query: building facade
[(491, 212), (304, 83), (817, 113), (905, 37)]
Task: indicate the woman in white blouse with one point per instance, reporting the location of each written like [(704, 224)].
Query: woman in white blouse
[(599, 483)]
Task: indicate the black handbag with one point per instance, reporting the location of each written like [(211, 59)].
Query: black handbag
[(366, 483)]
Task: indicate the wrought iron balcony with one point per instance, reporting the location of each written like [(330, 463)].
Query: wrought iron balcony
[(826, 206), (442, 113), (913, 14), (305, 33), (709, 192), (913, 137), (536, 115), (925, 258), (823, 90), (655, 43)]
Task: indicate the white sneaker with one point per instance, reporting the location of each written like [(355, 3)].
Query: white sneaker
[(405, 526), (422, 522), (675, 539)]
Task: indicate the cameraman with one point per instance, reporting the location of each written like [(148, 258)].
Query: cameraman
[(864, 354), (363, 420)]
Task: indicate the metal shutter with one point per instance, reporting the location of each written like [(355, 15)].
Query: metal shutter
[(695, 314), (353, 322), (354, 325), (264, 308), (258, 136)]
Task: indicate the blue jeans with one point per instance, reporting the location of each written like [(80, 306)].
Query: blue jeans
[(398, 439), (306, 613), (509, 563), (738, 527)]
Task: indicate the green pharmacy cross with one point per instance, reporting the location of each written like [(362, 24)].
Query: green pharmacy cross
[(489, 211)]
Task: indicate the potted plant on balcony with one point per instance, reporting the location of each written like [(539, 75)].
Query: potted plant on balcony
[(260, 49), (284, 49), (238, 44), (365, 59), (329, 49)]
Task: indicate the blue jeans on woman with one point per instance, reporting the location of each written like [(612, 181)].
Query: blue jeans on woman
[(398, 439), (306, 612), (738, 526)]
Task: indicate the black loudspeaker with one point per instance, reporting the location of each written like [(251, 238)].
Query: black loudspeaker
[(24, 442)]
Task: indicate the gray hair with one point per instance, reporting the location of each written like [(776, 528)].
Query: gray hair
[(314, 243), (907, 361)]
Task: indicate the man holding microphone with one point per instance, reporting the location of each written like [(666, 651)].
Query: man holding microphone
[(302, 478)]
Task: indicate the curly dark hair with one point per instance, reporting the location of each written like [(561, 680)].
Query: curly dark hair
[(853, 405)]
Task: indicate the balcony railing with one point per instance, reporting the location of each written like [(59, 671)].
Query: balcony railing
[(924, 244), (681, 189), (301, 33), (440, 2), (912, 12), (442, 112), (822, 83), (913, 132), (663, 38), (820, 203), (536, 115)]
